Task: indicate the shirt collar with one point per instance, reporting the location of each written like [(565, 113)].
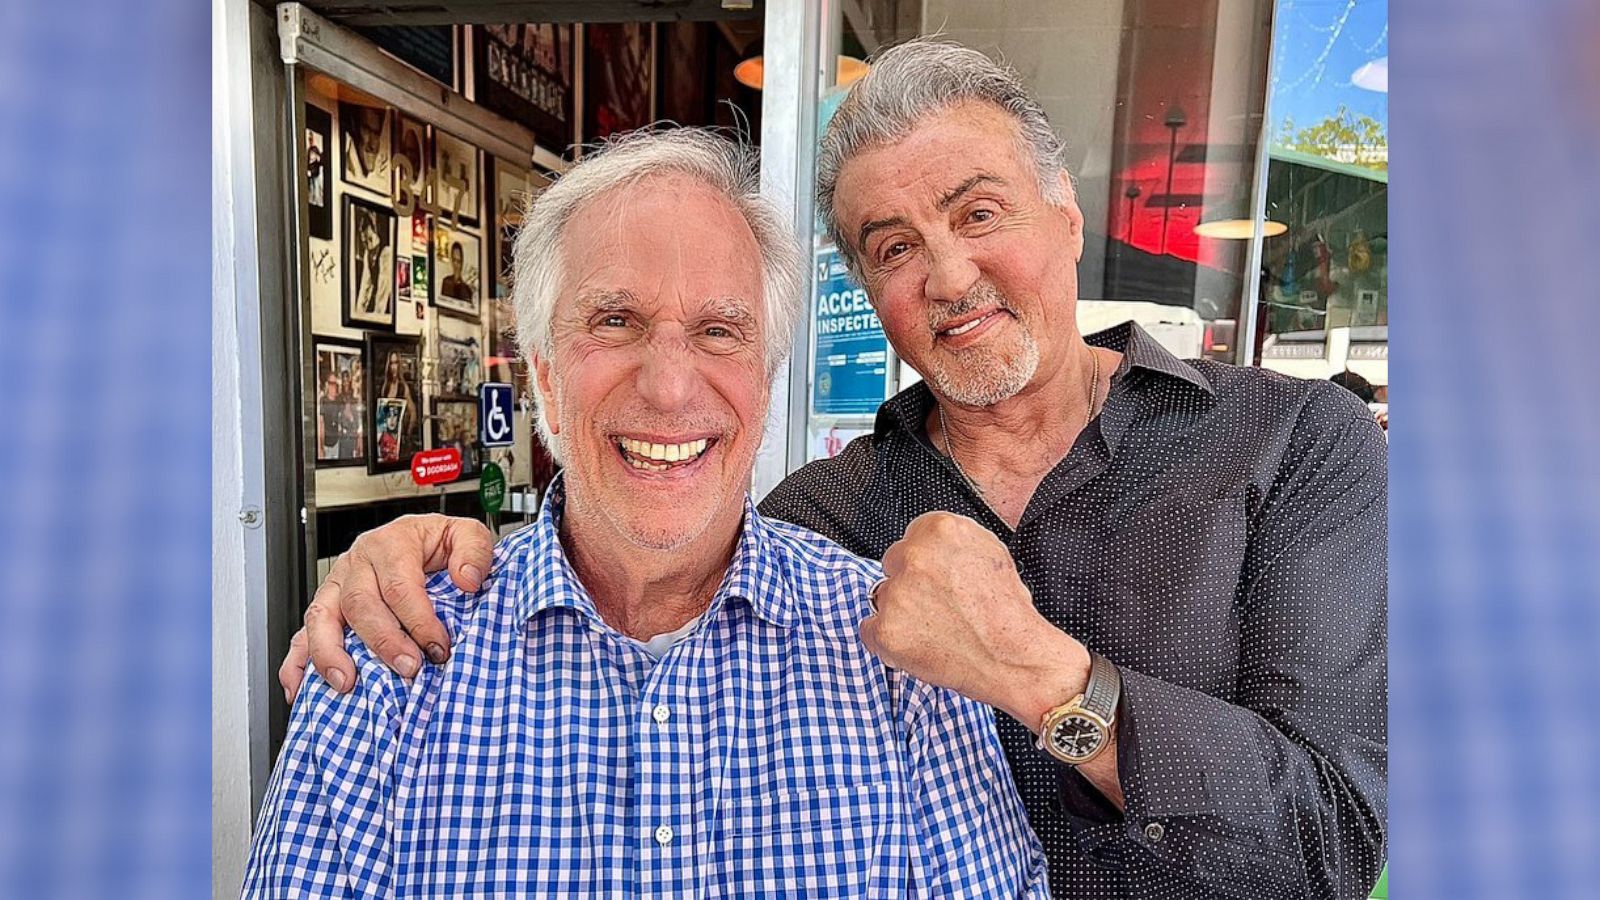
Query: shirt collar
[(909, 409), (550, 582), (1141, 351)]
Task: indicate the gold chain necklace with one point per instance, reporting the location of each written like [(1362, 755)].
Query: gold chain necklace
[(1088, 416)]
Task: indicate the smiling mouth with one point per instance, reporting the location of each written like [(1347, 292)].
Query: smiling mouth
[(648, 456), (970, 324)]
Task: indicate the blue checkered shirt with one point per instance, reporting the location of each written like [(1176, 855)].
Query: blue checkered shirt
[(769, 754)]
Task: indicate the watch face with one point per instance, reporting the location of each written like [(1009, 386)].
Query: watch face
[(1077, 737)]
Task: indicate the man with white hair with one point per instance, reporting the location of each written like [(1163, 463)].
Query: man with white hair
[(1168, 575), (655, 691)]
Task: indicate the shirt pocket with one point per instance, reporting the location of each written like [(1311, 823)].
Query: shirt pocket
[(835, 841)]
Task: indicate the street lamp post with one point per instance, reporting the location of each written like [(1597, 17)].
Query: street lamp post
[(1175, 120), (1132, 193)]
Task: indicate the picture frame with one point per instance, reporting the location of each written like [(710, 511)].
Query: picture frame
[(457, 267), (453, 422), (394, 402), (502, 362), (458, 359), (512, 187), (366, 147), (413, 166), (421, 253), (402, 281), (525, 73), (319, 168), (367, 258), (618, 68), (340, 414), (458, 179)]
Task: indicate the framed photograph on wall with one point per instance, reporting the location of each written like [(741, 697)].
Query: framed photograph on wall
[(500, 363), (458, 183), (512, 187), (460, 358), (319, 163), (454, 423), (368, 259), (524, 72), (365, 147), (394, 399), (412, 163), (616, 78), (457, 271), (421, 252), (341, 402)]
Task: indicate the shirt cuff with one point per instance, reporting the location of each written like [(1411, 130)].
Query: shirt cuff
[(1196, 790)]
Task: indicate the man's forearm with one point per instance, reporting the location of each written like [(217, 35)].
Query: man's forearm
[(1102, 773), (1057, 672)]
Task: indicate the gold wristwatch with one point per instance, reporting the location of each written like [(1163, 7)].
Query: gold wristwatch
[(1080, 729)]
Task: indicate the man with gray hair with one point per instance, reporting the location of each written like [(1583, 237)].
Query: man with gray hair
[(655, 691), (1168, 575)]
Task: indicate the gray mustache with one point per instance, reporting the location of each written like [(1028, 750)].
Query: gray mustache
[(982, 295)]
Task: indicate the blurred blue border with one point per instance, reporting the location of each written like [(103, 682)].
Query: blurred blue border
[(1495, 472), (104, 517)]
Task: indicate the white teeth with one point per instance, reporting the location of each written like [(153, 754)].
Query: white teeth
[(643, 453), (963, 329)]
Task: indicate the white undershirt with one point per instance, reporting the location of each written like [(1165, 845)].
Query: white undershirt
[(658, 646)]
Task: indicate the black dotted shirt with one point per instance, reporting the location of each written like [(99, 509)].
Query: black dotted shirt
[(1220, 533)]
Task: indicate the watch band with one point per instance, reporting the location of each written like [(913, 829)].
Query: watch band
[(1104, 690)]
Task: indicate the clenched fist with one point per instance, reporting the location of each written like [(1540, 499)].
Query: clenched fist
[(952, 611)]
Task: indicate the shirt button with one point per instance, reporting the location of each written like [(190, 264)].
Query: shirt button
[(664, 835), (661, 714), (1154, 832)]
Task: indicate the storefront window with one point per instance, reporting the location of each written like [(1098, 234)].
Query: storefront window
[(410, 200), (1160, 104), (1324, 300)]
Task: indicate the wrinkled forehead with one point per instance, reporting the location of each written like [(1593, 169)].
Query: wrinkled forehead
[(733, 309), (662, 241), (943, 150)]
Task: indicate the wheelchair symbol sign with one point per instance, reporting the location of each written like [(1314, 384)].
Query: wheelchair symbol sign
[(494, 414)]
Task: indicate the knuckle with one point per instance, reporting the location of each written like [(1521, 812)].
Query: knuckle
[(332, 586), (913, 557), (869, 633), (317, 614), (886, 634), (396, 590), (389, 645)]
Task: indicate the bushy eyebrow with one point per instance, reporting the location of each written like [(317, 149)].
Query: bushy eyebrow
[(604, 301), (955, 193), (733, 309), (945, 202), (867, 228)]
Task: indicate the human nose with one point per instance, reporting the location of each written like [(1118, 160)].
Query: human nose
[(951, 272), (667, 376)]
